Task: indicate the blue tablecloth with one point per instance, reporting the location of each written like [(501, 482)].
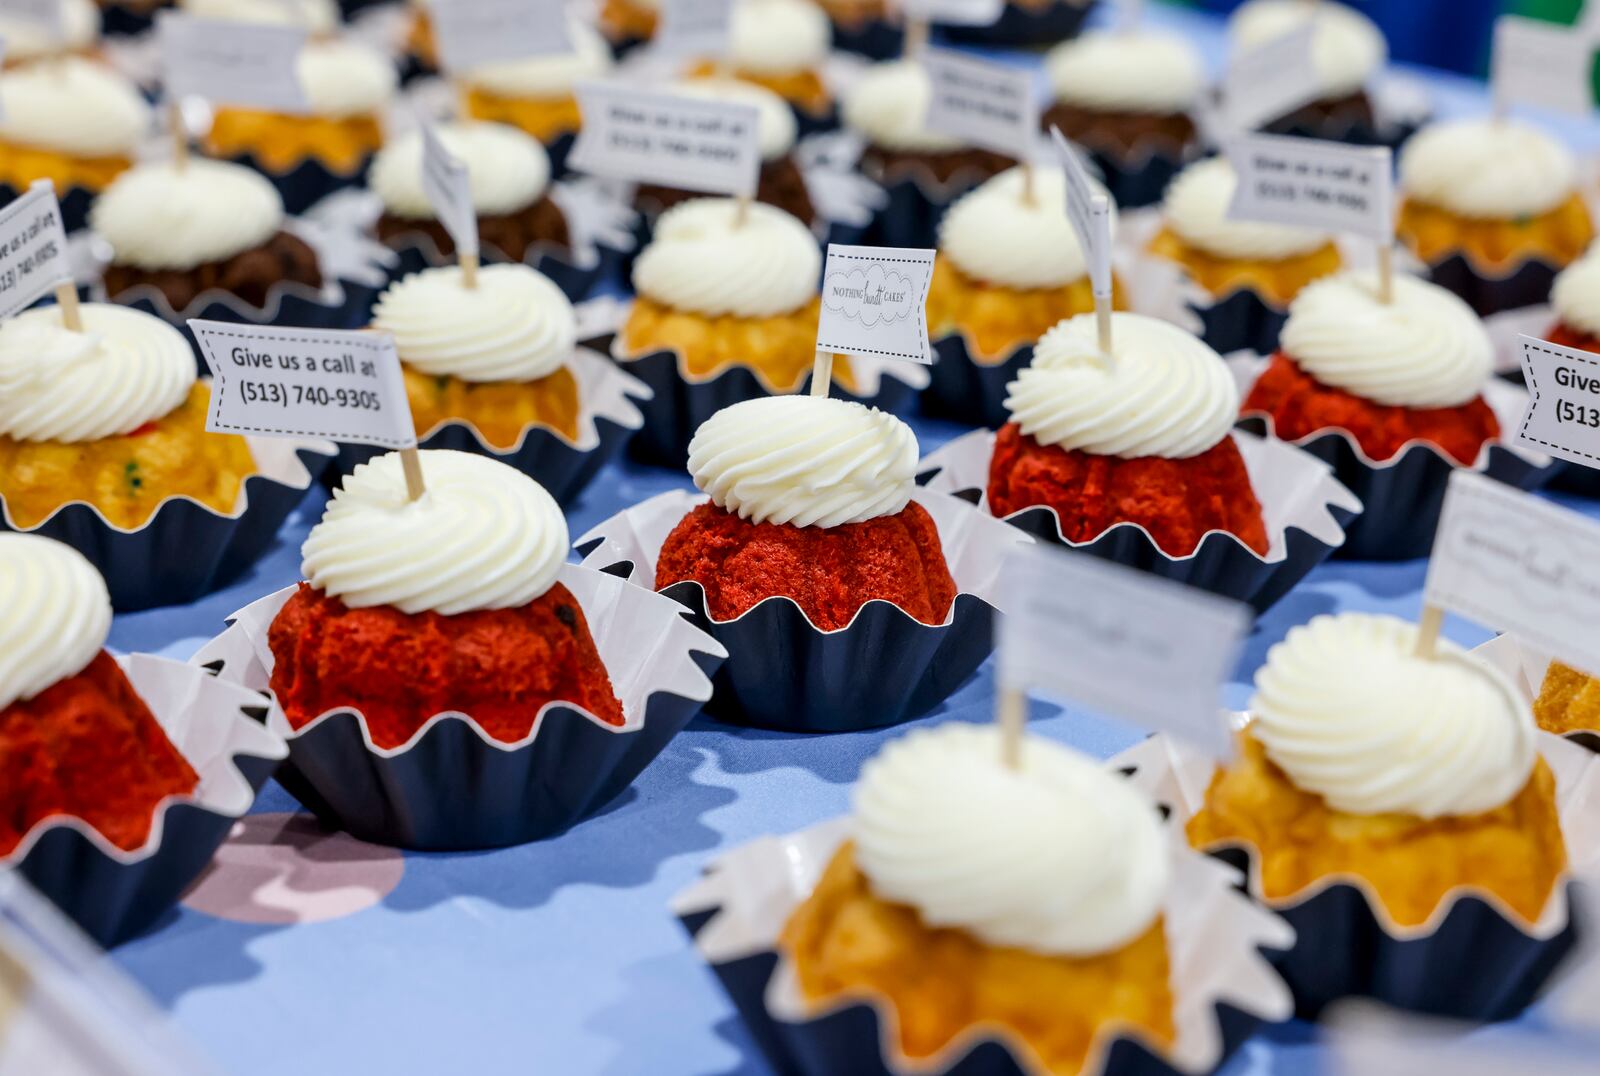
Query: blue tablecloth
[(561, 956)]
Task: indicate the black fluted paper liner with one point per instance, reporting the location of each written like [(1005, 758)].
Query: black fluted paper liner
[(884, 668), (558, 150), (308, 182), (910, 215), (1353, 132), (186, 549), (1138, 182), (75, 203), (1241, 321), (453, 790), (122, 20), (1527, 284), (876, 39), (1342, 951), (968, 391), (417, 252), (1056, 20), (679, 406), (809, 123), (1403, 496)]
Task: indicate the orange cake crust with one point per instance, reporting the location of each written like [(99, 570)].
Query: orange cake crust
[(281, 142), (1278, 281), (545, 118), (844, 941), (1569, 701), (998, 319), (1495, 244), (499, 410)]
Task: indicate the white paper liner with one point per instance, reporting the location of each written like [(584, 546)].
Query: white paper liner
[(643, 641), (1213, 934), (1295, 489), (203, 718), (975, 545), (1177, 775)]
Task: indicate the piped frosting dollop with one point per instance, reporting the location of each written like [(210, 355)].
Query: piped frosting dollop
[(888, 106), (1196, 208), (159, 216), (547, 77), (703, 260), (1127, 71), (1576, 293), (1347, 48), (74, 106), (346, 78), (997, 234), (54, 614), (507, 169), (776, 127), (776, 37), (1487, 168)]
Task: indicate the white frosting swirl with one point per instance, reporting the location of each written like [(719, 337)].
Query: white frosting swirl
[(1426, 348), (1057, 857), (1576, 293), (777, 37), (516, 325), (159, 216), (73, 106), (1346, 47), (1127, 71), (994, 234), (346, 78), (544, 77), (125, 369), (1196, 208), (776, 128), (318, 16), (888, 106), (1168, 394), (28, 40), (484, 536), (507, 169), (809, 461), (54, 614), (1487, 168), (1348, 711), (704, 262)]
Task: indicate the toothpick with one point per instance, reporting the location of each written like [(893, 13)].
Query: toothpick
[(1011, 713), (1027, 183), (822, 373), (469, 270), (67, 299), (180, 134), (1386, 273), (742, 212), (1428, 631), (411, 463), (1102, 325), (916, 38)]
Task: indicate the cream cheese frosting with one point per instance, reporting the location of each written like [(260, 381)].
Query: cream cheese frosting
[(543, 77), (809, 461), (125, 369), (1058, 856), (1167, 394), (1576, 293), (346, 78), (1487, 168), (777, 37), (73, 106), (484, 536), (28, 40), (888, 106), (701, 260), (1347, 48), (54, 614), (1126, 71), (319, 16), (160, 216), (1426, 348), (508, 170), (516, 325), (1348, 711), (1196, 208), (776, 129), (994, 234)]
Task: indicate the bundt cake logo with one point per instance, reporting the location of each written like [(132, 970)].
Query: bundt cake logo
[(871, 296)]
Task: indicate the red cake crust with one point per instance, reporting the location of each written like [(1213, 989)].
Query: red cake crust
[(1301, 406), (498, 666), (1566, 336), (830, 572), (1177, 501), (88, 747)]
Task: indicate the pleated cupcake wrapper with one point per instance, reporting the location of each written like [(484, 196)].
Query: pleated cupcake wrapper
[(1305, 508), (75, 203), (1474, 959), (876, 39), (114, 894), (309, 181), (607, 417), (1222, 984), (1142, 179), (1525, 665), (1056, 20), (967, 390), (187, 549), (1491, 289), (123, 20), (452, 786), (352, 275), (783, 672), (595, 214), (679, 404), (1405, 493)]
